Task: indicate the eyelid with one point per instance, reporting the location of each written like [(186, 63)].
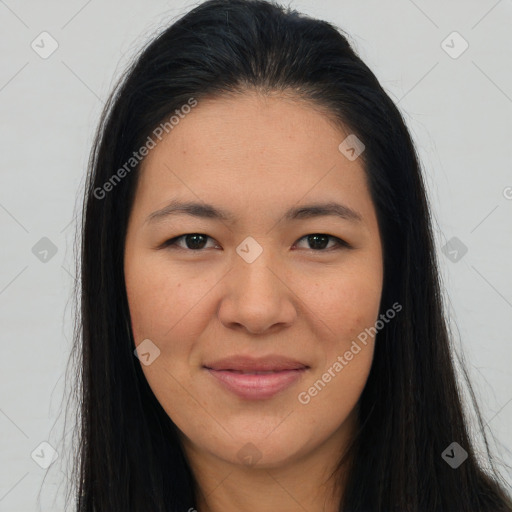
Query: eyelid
[(172, 242)]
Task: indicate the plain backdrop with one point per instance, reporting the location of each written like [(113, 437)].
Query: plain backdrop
[(457, 102)]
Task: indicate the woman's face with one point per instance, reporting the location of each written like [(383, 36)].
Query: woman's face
[(252, 285)]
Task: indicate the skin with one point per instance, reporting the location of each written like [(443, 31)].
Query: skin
[(256, 157)]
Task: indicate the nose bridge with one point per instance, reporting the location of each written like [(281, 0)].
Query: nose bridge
[(252, 268)]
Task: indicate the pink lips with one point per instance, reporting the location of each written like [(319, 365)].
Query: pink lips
[(256, 378)]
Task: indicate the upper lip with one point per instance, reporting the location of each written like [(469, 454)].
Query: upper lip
[(257, 364)]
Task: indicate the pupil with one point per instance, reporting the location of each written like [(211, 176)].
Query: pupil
[(315, 239), (195, 243)]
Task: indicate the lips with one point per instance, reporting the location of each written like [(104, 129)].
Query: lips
[(256, 378), (246, 364)]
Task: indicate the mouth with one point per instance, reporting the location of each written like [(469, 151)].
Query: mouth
[(249, 364), (255, 372), (256, 379)]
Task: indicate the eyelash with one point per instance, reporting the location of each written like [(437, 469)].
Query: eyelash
[(341, 244)]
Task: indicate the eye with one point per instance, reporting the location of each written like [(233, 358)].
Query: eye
[(319, 241), (197, 242), (193, 241)]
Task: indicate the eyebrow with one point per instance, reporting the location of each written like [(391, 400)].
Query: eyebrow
[(207, 211)]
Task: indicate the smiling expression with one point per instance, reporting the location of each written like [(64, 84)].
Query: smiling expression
[(280, 271)]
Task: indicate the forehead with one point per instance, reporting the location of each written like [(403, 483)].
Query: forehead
[(277, 129), (250, 151)]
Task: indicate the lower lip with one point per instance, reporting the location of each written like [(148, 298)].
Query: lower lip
[(251, 386)]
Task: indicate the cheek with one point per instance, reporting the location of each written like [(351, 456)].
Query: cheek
[(166, 308), (346, 303), (348, 308), (153, 294)]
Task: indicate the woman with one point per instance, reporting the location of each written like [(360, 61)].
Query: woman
[(262, 325)]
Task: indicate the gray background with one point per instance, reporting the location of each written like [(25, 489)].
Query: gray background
[(458, 110)]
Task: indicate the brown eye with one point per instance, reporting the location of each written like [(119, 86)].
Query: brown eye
[(319, 241), (193, 241)]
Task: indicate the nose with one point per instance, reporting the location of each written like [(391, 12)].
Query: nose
[(257, 296)]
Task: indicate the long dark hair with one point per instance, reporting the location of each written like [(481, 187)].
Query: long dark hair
[(128, 456)]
